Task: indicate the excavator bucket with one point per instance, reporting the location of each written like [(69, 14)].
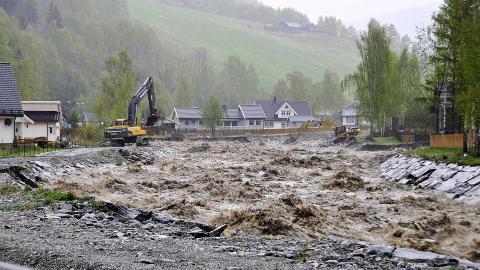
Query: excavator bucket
[(152, 120)]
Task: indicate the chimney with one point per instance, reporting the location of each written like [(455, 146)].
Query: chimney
[(274, 99)]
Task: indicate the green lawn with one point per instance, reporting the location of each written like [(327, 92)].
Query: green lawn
[(24, 150), (273, 55), (386, 140), (447, 155)]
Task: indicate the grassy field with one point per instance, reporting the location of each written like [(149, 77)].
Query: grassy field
[(447, 155), (386, 140), (273, 55)]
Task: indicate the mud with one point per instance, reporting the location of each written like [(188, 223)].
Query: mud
[(303, 190)]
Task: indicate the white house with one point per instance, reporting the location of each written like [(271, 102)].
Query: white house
[(43, 119), (245, 116), (10, 105), (350, 117), (285, 114)]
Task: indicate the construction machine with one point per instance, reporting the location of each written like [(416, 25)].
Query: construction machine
[(343, 133), (127, 130), (311, 124)]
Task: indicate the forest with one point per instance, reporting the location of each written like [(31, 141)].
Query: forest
[(433, 85), (59, 55)]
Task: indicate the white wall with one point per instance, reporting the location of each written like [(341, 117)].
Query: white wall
[(346, 121), (285, 112), (29, 131), (7, 133)]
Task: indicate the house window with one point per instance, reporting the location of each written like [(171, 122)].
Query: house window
[(350, 120), (234, 123), (226, 123), (251, 123), (268, 124), (187, 122), (258, 122), (51, 130), (283, 113), (284, 124)]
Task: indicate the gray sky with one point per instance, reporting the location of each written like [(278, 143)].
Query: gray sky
[(358, 12)]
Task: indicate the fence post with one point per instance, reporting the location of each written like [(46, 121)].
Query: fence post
[(477, 145)]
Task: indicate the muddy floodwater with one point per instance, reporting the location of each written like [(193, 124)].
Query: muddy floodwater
[(303, 190)]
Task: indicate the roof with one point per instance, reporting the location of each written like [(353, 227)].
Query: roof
[(351, 109), (253, 111), (24, 119), (293, 24), (270, 107), (188, 113), (10, 104), (232, 113), (42, 106), (43, 117)]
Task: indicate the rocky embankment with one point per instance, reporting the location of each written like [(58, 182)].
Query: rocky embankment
[(458, 182)]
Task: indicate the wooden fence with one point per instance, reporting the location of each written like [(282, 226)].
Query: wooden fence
[(452, 140), (283, 131)]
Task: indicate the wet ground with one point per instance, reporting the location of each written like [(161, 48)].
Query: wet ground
[(304, 190)]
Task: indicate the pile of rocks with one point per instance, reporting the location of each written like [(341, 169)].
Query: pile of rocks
[(459, 182)]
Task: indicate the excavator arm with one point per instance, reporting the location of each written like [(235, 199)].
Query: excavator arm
[(146, 89)]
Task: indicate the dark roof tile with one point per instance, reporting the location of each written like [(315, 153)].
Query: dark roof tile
[(10, 104)]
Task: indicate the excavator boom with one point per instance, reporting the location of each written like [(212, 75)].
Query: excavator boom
[(146, 89)]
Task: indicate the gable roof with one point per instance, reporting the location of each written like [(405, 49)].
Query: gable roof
[(288, 106), (351, 109), (187, 113), (232, 113), (10, 104), (270, 107), (252, 111), (43, 117)]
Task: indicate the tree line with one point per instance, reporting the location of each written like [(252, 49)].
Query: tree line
[(450, 49), (388, 83), (59, 55), (246, 10)]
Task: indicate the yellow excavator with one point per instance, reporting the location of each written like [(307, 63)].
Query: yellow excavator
[(127, 130)]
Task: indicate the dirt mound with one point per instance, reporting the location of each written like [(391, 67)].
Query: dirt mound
[(344, 180)]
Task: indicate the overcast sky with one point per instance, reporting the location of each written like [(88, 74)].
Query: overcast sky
[(357, 12)]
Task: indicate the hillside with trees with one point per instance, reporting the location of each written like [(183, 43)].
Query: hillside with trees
[(59, 55)]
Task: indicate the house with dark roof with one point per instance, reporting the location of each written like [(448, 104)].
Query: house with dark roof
[(294, 27), (10, 105), (285, 114), (188, 117), (350, 117), (43, 120), (245, 116)]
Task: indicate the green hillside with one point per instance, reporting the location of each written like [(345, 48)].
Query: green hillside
[(273, 55)]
